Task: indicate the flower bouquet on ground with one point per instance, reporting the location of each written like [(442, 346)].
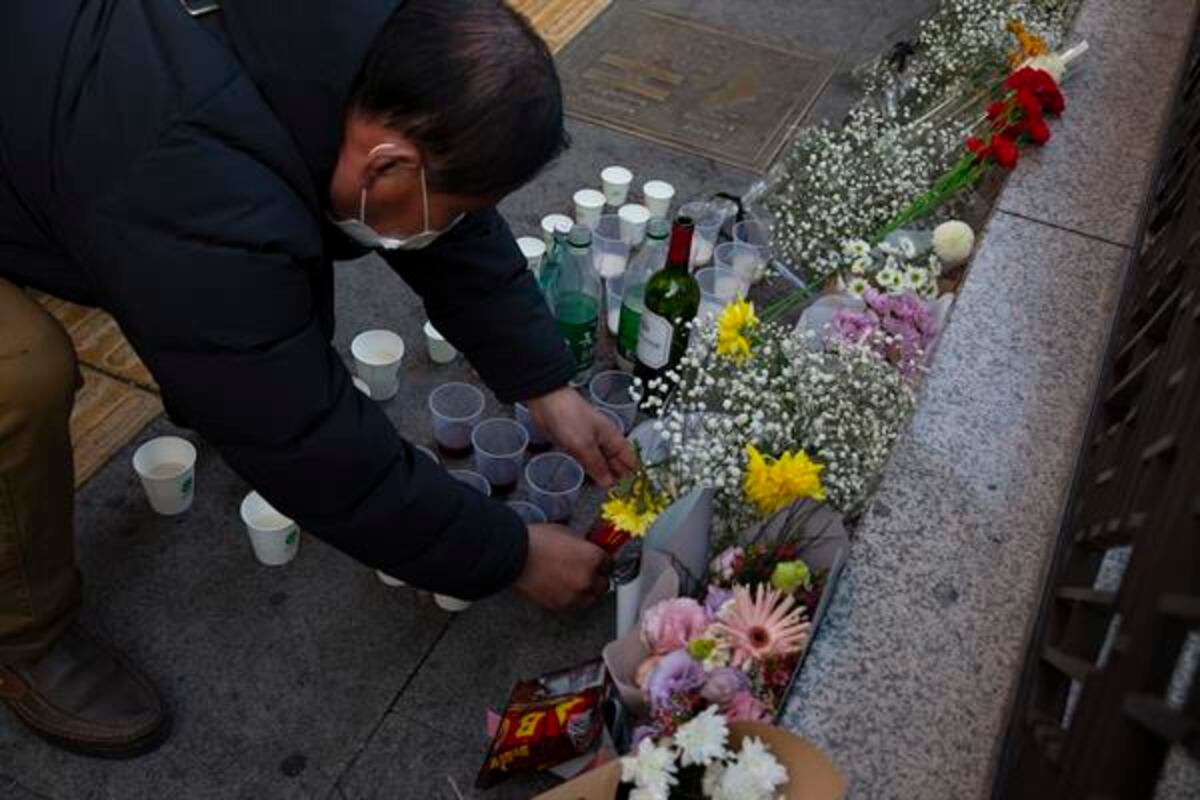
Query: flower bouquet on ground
[(710, 758), (738, 647)]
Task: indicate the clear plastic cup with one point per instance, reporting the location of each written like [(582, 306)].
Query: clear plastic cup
[(432, 455), (634, 218), (746, 262), (551, 223), (167, 468), (440, 351), (274, 537), (538, 441), (555, 481), (500, 453), (616, 181), (589, 205), (377, 356), (756, 233), (719, 287), (472, 479), (657, 196), (528, 512), (614, 293), (610, 252), (534, 250), (456, 409), (708, 219), (611, 390)]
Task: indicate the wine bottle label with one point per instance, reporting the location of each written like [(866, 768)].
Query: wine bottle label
[(655, 335)]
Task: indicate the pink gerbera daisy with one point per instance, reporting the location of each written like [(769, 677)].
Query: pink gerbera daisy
[(766, 624)]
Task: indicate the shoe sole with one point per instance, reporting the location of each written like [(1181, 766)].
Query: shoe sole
[(116, 751)]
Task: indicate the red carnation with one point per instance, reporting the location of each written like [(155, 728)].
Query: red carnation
[(1036, 129), (1029, 103), (1041, 85), (997, 110), (1005, 151), (978, 147)]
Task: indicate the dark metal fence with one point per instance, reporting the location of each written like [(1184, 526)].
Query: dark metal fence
[(1110, 688)]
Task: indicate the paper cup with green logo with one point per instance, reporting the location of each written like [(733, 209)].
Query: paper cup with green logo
[(167, 468), (274, 537)]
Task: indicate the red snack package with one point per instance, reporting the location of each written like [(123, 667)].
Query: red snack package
[(608, 537), (548, 721)]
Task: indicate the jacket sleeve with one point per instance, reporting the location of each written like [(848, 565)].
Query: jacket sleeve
[(206, 256), (482, 298)]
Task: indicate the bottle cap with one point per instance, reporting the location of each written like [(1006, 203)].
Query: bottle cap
[(581, 236), (658, 228)]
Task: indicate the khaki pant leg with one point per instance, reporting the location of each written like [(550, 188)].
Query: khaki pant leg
[(39, 581)]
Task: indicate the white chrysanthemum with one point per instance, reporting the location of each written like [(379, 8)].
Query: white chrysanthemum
[(858, 287), (712, 780), (890, 278), (916, 277), (1051, 63), (738, 783), (702, 739), (647, 794), (652, 768), (768, 773), (953, 242), (860, 266)]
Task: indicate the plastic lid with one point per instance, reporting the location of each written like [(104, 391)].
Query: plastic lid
[(581, 236), (563, 226), (658, 228)]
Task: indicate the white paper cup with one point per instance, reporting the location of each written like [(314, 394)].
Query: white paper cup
[(440, 351), (451, 604), (377, 356), (167, 468), (551, 223), (274, 537), (388, 580), (616, 181), (361, 385), (534, 250), (633, 223), (589, 205), (657, 195)]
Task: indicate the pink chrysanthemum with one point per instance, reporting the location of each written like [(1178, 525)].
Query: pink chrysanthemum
[(766, 624)]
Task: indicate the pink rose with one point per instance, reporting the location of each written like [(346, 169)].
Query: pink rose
[(745, 707), (671, 624)]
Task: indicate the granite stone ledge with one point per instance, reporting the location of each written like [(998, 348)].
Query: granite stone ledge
[(909, 683)]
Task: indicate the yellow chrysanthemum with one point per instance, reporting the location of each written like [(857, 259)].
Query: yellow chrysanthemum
[(627, 515), (733, 328), (777, 483)]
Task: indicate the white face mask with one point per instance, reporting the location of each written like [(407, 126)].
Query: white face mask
[(364, 234)]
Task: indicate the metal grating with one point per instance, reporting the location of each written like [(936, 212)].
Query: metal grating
[(1096, 714)]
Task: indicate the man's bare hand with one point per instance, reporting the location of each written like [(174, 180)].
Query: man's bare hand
[(589, 436), (562, 570)]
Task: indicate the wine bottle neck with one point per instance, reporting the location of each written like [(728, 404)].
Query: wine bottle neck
[(680, 256)]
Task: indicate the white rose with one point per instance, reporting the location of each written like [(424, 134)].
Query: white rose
[(953, 242)]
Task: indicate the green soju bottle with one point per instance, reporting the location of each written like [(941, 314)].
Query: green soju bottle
[(672, 299), (576, 299), (649, 260)]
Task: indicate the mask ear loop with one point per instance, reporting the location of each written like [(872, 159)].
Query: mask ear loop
[(362, 197)]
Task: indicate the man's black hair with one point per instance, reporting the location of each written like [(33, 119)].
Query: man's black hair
[(473, 85)]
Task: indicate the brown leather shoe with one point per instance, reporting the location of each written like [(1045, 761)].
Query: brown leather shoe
[(84, 697)]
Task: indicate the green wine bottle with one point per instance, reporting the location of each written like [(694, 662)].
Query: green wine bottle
[(577, 297), (648, 261), (672, 298)]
